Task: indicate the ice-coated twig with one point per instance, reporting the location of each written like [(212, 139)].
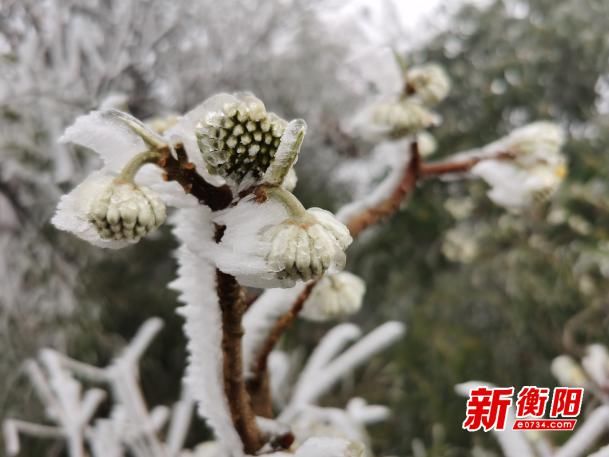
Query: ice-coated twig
[(181, 417), (131, 424), (13, 427), (602, 452), (513, 443), (365, 414), (399, 151), (321, 379), (587, 434), (64, 404), (328, 348)]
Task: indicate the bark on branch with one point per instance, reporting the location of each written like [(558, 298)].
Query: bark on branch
[(232, 305), (183, 172)]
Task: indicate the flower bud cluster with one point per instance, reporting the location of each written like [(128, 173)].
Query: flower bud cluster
[(239, 139), (124, 211), (303, 248)]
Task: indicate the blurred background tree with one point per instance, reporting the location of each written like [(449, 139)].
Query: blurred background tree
[(486, 294)]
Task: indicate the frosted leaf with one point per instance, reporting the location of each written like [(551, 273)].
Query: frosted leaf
[(74, 208), (335, 296), (242, 249), (171, 192), (108, 136), (287, 153)]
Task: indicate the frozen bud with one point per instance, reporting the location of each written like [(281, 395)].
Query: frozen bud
[(596, 364), (403, 118), (538, 141), (330, 447), (239, 140), (427, 144), (567, 371), (335, 296), (124, 211), (515, 187), (308, 246), (430, 82)]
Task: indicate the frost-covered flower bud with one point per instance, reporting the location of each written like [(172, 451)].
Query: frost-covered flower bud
[(427, 144), (430, 82), (334, 296), (125, 211), (239, 140), (404, 117), (568, 372), (330, 447), (596, 364), (538, 141), (306, 247)]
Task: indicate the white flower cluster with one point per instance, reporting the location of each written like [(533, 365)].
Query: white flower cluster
[(536, 170), (335, 296), (305, 248), (240, 141), (429, 82), (405, 111), (243, 138), (125, 211), (229, 139), (403, 118), (112, 207)]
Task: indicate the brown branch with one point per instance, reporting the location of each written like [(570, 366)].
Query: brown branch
[(183, 172), (258, 386), (232, 305), (391, 204), (429, 170)]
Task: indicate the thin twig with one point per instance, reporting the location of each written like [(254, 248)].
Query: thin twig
[(429, 170), (391, 204)]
